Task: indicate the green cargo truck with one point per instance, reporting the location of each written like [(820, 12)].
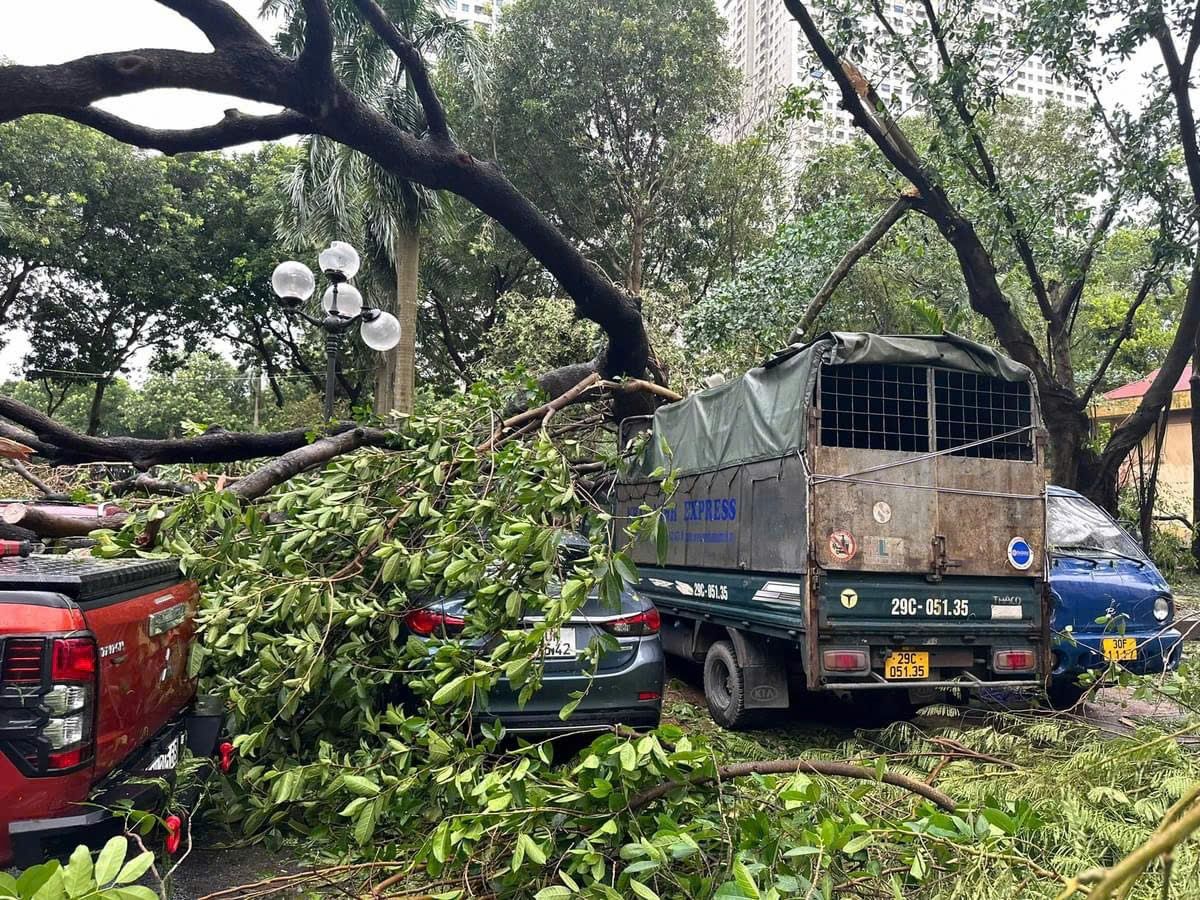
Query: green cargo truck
[(862, 513)]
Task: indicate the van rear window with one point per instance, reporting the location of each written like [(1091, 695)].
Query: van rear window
[(887, 407)]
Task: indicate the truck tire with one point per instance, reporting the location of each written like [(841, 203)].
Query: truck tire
[(725, 688)]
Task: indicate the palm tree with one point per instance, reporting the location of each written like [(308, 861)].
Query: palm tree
[(337, 192)]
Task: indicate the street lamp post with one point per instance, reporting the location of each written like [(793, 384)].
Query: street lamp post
[(342, 305)]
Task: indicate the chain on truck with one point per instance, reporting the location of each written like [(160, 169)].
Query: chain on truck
[(863, 513)]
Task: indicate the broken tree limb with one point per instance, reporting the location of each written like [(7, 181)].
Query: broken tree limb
[(791, 767), (61, 445), (539, 411), (20, 469), (144, 483), (45, 522), (861, 248)]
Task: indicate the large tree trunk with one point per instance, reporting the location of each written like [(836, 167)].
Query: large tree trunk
[(93, 426), (395, 375)]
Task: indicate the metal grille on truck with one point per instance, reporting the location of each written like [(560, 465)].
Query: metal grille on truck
[(886, 407)]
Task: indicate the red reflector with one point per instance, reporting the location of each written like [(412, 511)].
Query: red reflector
[(66, 759), (226, 751), (845, 660), (22, 661), (174, 826), (1013, 660), (73, 659), (648, 695)]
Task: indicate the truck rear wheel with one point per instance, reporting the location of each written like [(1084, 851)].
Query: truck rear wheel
[(725, 688)]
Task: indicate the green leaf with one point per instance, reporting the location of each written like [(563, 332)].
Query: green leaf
[(53, 889), (857, 843), (628, 756), (8, 886), (35, 876), (642, 890), (136, 868), (745, 880), (133, 892), (109, 862), (77, 875), (554, 892), (364, 787), (533, 850)]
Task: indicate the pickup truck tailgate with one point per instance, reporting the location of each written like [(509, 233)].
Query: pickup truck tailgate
[(142, 615)]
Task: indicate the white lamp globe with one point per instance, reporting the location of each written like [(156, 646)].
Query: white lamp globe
[(381, 332), (293, 281), (349, 300), (340, 259)]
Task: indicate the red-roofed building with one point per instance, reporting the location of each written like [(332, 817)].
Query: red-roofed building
[(1175, 467)]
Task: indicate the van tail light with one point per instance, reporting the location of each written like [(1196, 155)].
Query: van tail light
[(638, 625), (57, 682), (426, 621), (1014, 660), (846, 661)]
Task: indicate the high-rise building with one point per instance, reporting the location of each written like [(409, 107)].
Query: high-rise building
[(477, 12), (766, 45)]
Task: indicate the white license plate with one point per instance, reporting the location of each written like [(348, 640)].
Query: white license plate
[(560, 643), (168, 760)]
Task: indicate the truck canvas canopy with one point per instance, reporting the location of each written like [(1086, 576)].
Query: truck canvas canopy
[(760, 415)]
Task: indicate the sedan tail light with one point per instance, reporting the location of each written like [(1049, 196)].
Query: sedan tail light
[(427, 621), (638, 625)]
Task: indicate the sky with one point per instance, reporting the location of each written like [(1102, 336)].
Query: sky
[(52, 31)]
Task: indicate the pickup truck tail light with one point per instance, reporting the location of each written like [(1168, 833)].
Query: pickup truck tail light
[(638, 625), (55, 688)]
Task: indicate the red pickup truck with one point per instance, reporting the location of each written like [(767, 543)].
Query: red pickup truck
[(94, 688)]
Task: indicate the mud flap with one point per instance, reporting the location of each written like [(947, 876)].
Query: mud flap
[(764, 674)]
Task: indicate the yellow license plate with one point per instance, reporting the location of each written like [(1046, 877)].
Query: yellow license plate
[(1119, 649), (906, 664)]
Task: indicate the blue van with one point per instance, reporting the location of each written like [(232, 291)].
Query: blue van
[(1097, 571)]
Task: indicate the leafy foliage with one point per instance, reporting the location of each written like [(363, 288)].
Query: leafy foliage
[(110, 877)]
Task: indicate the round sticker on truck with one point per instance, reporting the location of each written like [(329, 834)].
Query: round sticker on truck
[(1020, 554), (842, 545)]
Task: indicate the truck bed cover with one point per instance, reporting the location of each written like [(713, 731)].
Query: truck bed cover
[(85, 578)]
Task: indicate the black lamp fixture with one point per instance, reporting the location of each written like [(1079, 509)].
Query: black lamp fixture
[(342, 306)]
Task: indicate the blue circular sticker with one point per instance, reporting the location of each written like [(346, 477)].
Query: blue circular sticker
[(1020, 554)]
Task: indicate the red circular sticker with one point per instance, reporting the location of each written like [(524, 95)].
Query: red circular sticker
[(842, 544)]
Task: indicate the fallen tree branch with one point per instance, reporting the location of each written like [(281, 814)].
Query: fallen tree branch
[(20, 469), (791, 767), (861, 248), (148, 484), (61, 445), (539, 411)]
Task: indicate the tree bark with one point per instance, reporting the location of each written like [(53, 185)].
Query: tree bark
[(408, 264), (93, 426)]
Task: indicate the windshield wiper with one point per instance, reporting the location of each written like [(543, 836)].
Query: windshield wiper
[(1105, 550)]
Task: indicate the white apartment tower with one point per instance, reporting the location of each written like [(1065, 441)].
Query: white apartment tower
[(766, 45), (477, 12)]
